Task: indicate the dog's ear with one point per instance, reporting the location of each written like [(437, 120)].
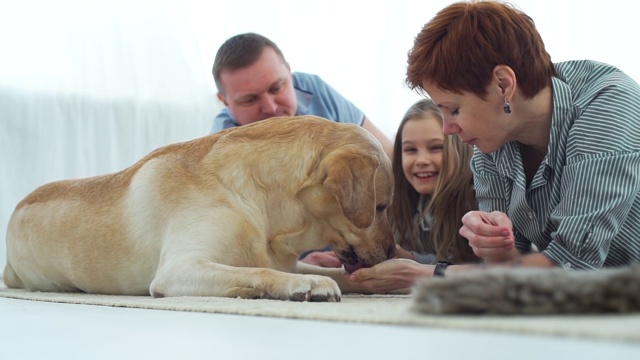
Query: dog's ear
[(350, 177)]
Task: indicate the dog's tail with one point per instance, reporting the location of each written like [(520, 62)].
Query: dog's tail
[(531, 291), (11, 279)]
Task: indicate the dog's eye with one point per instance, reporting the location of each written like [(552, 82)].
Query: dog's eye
[(381, 207)]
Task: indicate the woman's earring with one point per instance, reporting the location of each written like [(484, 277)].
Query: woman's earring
[(507, 106)]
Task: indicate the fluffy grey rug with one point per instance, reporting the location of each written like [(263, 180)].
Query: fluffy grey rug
[(531, 291)]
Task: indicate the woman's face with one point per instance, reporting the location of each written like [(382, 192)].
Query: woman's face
[(422, 144), (478, 122)]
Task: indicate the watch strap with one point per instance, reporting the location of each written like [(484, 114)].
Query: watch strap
[(440, 268)]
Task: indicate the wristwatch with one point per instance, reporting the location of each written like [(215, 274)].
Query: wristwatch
[(441, 266)]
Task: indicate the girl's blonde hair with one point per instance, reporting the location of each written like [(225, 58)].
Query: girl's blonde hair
[(453, 196)]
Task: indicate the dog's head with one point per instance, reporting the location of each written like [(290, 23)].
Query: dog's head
[(351, 201)]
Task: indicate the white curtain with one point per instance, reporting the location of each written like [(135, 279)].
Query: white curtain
[(88, 87)]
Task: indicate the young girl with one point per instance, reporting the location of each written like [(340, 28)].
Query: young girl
[(433, 190)]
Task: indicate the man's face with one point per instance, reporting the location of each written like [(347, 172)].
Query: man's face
[(259, 91)]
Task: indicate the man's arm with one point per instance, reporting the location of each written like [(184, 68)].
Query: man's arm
[(387, 145)]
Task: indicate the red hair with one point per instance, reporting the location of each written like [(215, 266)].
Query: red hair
[(459, 48)]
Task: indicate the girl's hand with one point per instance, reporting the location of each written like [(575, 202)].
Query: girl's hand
[(322, 258), (401, 253)]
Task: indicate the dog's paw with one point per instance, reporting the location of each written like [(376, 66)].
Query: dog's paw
[(315, 288)]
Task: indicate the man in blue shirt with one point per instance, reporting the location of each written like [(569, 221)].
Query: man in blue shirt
[(255, 82)]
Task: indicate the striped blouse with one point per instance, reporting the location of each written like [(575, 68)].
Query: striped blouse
[(582, 207)]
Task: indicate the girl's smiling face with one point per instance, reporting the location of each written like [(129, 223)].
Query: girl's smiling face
[(422, 144)]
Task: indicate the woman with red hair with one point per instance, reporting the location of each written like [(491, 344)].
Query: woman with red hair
[(556, 165)]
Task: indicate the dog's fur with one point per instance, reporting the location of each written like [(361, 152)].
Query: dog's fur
[(224, 215), (531, 291)]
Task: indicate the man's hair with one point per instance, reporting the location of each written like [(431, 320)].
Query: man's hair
[(240, 51), (459, 48)]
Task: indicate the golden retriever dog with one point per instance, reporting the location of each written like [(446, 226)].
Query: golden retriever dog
[(223, 215)]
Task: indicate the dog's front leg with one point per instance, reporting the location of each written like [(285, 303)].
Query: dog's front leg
[(206, 278), (230, 263), (339, 275)]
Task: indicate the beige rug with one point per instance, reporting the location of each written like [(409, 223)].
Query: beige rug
[(373, 309)]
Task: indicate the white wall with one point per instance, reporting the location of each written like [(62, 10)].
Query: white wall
[(360, 46), (89, 86)]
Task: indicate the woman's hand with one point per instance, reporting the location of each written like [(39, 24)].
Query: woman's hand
[(490, 235), (394, 275)]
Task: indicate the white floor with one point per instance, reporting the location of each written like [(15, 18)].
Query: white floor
[(39, 330)]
